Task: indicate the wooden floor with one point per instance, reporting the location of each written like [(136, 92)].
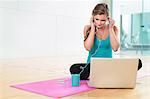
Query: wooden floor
[(17, 71)]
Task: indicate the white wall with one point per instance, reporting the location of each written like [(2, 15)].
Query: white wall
[(129, 6), (146, 6), (33, 28)]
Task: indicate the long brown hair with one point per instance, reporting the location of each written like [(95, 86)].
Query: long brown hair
[(100, 9)]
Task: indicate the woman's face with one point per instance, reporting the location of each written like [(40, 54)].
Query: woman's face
[(100, 20)]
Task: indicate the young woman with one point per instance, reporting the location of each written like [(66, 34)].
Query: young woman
[(100, 38)]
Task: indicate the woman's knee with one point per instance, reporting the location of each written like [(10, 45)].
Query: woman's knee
[(72, 67), (75, 68)]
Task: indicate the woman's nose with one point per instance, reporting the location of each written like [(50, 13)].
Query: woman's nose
[(100, 23)]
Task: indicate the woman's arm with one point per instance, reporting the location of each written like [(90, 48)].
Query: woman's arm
[(113, 35), (89, 38), (114, 38)]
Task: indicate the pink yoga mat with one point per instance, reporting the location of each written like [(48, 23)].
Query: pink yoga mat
[(54, 88), (60, 87)]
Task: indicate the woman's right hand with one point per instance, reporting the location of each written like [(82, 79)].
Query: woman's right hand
[(92, 23)]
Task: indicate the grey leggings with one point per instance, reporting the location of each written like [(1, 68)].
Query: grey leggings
[(76, 69)]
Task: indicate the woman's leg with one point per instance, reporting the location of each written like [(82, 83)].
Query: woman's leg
[(140, 64), (77, 68)]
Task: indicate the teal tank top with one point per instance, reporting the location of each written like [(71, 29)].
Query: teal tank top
[(104, 50)]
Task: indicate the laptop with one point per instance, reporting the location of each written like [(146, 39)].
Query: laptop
[(113, 72)]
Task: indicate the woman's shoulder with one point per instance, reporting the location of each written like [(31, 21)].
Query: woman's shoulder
[(86, 27), (86, 31), (115, 29)]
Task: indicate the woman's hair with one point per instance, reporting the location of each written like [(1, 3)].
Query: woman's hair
[(100, 9)]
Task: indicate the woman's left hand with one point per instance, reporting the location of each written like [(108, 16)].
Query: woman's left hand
[(111, 22)]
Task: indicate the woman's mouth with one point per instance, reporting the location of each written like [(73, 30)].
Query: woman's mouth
[(99, 26)]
